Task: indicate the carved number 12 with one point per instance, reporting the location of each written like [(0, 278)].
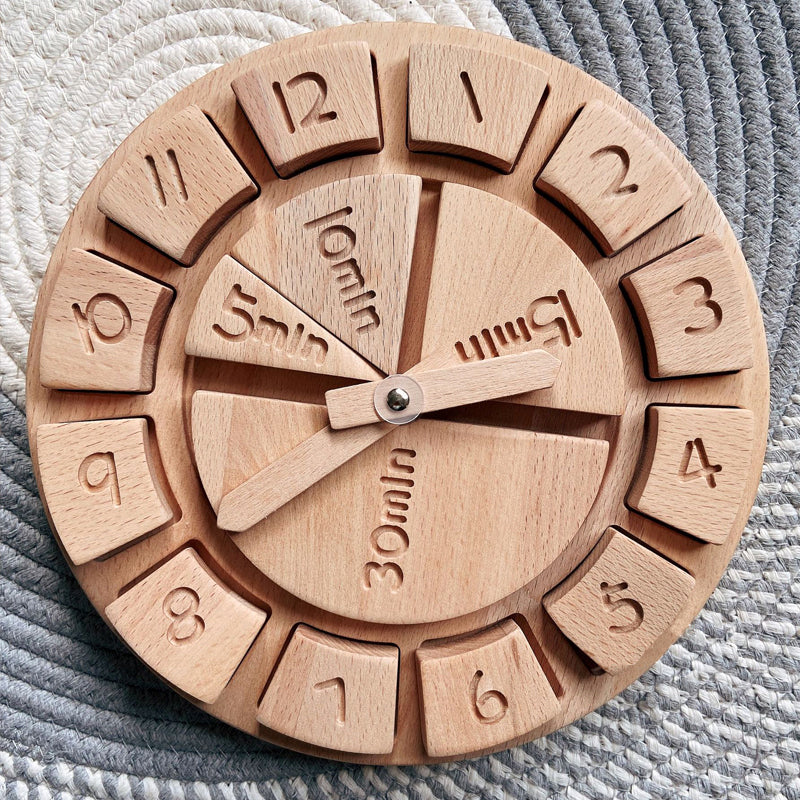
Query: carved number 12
[(315, 114)]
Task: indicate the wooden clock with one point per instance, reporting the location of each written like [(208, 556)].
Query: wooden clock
[(397, 393)]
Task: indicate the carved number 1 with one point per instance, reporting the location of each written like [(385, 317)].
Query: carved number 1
[(315, 114), (337, 684)]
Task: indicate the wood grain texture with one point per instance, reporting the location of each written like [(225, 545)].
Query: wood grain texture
[(691, 309), (313, 104), (619, 602), (334, 693), (450, 386), (177, 186), (179, 377), (242, 319), (102, 327), (501, 283), (613, 177), (354, 240), (182, 621), (481, 690), (461, 102), (100, 484), (406, 502), (693, 468)]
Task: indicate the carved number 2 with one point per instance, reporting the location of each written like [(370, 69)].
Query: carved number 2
[(315, 115), (616, 186)]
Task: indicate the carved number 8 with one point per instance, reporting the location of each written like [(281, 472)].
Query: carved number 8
[(180, 606)]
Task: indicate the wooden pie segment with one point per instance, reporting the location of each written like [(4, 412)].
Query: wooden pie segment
[(235, 436), (313, 104), (612, 177), (694, 468), (462, 101), (691, 309), (619, 601), (99, 484), (342, 252), (527, 290), (240, 318), (187, 626), (334, 692), (377, 523), (178, 186), (102, 327), (482, 690)]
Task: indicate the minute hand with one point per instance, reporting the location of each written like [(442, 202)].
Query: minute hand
[(459, 385)]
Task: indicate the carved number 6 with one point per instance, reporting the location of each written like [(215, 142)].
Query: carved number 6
[(489, 706)]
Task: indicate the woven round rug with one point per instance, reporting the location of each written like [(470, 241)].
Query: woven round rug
[(718, 716)]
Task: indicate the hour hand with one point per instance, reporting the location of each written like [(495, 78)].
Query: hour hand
[(402, 398)]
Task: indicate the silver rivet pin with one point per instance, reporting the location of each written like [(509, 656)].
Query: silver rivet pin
[(398, 399)]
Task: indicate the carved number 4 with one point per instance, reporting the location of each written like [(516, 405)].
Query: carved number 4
[(315, 114), (706, 469), (337, 684)]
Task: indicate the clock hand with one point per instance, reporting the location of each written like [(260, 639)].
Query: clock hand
[(325, 451), (402, 398)]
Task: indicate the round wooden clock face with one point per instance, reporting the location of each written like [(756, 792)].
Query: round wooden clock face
[(397, 393)]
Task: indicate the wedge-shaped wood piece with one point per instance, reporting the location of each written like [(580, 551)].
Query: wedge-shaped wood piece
[(178, 186), (464, 101), (377, 523), (502, 283), (619, 601), (187, 626), (481, 690), (694, 468), (102, 327), (352, 243), (99, 484), (313, 104), (691, 309), (240, 318), (334, 692), (612, 177)]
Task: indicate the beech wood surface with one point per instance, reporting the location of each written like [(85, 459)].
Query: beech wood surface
[(471, 248)]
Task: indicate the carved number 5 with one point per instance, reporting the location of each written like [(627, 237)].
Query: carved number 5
[(704, 301), (489, 706), (614, 602), (315, 115), (236, 295)]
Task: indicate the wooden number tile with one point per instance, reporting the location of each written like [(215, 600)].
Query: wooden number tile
[(187, 626), (334, 692), (313, 104), (612, 177), (691, 309), (695, 468), (482, 690), (352, 241), (468, 102), (178, 186), (102, 327), (99, 483), (619, 601), (527, 291), (240, 318), (375, 525)]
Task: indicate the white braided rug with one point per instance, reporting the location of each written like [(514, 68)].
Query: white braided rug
[(719, 716)]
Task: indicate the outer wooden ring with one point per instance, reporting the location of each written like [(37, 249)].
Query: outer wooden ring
[(177, 376)]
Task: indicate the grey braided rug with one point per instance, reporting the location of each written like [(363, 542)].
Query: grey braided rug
[(716, 717)]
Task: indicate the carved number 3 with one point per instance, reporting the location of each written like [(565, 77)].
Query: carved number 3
[(315, 115), (489, 706), (704, 301), (180, 606)]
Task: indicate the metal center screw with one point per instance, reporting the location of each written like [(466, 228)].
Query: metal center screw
[(398, 399)]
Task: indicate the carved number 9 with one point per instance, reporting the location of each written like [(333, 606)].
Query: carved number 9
[(180, 606), (489, 706)]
